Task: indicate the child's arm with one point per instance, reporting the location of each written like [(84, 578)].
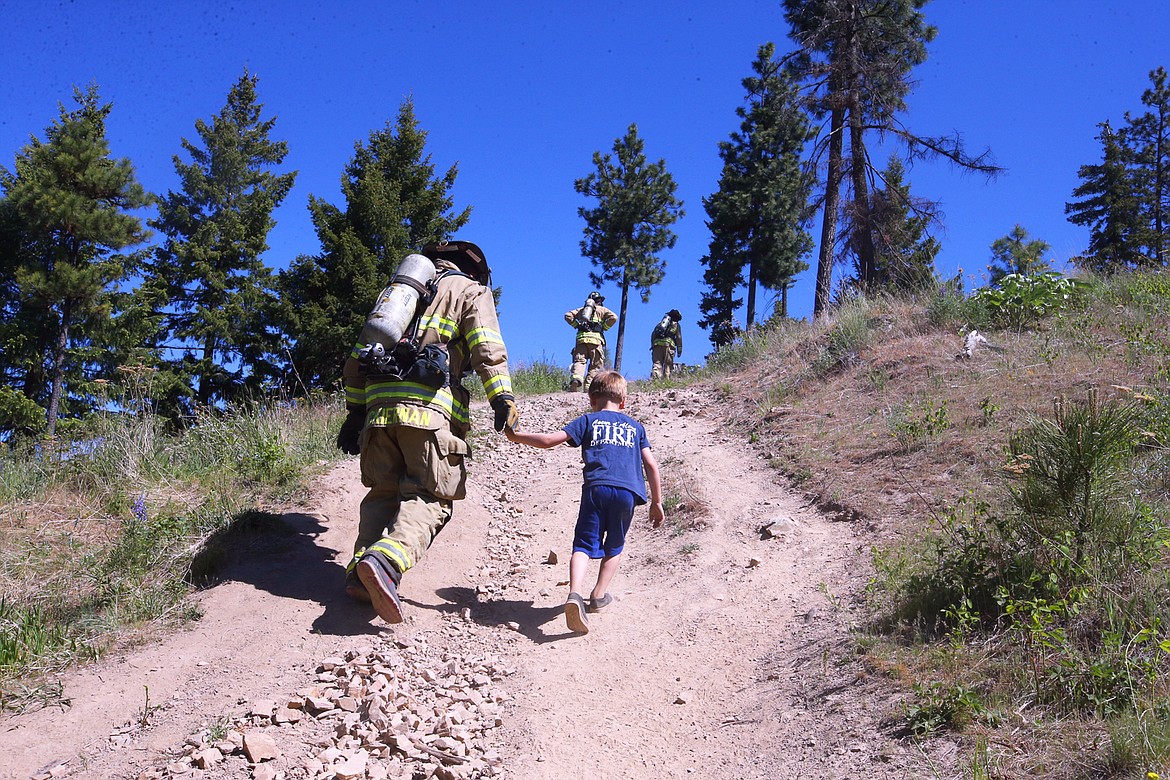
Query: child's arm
[(541, 440), (653, 478)]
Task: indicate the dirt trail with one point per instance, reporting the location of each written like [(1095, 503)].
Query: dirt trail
[(724, 655)]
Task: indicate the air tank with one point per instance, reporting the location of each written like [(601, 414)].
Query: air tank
[(585, 316), (397, 304)]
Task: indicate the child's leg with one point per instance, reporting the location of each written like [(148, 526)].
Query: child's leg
[(617, 510), (609, 567), (578, 565)]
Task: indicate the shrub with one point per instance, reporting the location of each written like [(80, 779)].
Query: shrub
[(1021, 299)]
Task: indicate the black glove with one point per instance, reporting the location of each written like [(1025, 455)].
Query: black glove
[(351, 431), (506, 412)]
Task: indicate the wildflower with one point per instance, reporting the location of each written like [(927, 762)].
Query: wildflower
[(139, 508)]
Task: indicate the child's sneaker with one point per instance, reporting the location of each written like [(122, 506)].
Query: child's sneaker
[(596, 605), (373, 570), (575, 614)]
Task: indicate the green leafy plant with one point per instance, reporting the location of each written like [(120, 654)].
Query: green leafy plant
[(1023, 298), (916, 422), (940, 705)]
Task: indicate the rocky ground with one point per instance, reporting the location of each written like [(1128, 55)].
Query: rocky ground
[(726, 653)]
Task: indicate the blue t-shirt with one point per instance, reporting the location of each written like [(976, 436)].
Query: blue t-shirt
[(611, 446)]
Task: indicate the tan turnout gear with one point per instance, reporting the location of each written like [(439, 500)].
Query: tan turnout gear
[(413, 445), (589, 350)]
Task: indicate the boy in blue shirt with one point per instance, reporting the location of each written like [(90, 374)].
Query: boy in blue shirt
[(614, 449)]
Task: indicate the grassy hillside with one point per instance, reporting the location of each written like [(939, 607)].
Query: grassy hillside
[(100, 544), (1017, 499)]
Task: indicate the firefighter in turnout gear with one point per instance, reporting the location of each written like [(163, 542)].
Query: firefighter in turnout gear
[(591, 321), (665, 343), (411, 434)]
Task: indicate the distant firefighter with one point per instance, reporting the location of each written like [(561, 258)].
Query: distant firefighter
[(591, 322), (665, 343)]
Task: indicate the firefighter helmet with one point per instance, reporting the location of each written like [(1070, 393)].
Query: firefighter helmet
[(675, 315), (466, 256), (597, 296)]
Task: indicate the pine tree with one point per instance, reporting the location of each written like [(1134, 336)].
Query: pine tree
[(1110, 207), (1148, 137), (758, 216), (856, 57), (630, 224), (394, 204), (67, 215), (208, 272), (1016, 254), (904, 251)]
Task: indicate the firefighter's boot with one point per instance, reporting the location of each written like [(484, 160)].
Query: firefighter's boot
[(353, 584), (381, 579)]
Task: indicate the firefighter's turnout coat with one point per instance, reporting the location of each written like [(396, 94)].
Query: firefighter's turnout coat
[(589, 350), (413, 444)]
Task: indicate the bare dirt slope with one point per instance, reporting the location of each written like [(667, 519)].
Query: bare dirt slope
[(724, 654)]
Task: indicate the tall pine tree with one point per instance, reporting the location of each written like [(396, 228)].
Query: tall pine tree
[(214, 289), (856, 57), (67, 213), (1149, 139), (758, 216), (1110, 206), (631, 222), (394, 204)]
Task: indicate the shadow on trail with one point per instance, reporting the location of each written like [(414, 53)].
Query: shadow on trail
[(280, 554), (527, 615)]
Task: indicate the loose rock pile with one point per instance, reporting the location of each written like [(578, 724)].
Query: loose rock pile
[(403, 710)]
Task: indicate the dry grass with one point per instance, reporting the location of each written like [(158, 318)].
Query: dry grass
[(884, 424), (850, 439)]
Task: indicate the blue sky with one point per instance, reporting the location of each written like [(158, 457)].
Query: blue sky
[(521, 94)]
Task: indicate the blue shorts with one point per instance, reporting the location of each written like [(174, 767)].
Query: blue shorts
[(603, 520)]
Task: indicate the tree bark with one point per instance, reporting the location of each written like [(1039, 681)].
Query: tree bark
[(751, 295), (617, 350), (58, 371), (862, 227), (824, 285)]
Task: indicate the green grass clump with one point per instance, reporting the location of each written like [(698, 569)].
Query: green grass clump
[(108, 536), (538, 378)]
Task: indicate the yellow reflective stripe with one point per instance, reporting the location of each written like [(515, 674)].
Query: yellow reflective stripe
[(479, 336), (353, 353), (447, 329), (409, 391), (355, 396), (501, 383), (663, 342), (395, 550), (589, 337), (395, 392)]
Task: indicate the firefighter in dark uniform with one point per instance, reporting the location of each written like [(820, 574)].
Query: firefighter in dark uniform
[(665, 343)]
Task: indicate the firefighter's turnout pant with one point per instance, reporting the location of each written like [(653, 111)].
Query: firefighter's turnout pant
[(414, 475), (586, 354), (663, 357)]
